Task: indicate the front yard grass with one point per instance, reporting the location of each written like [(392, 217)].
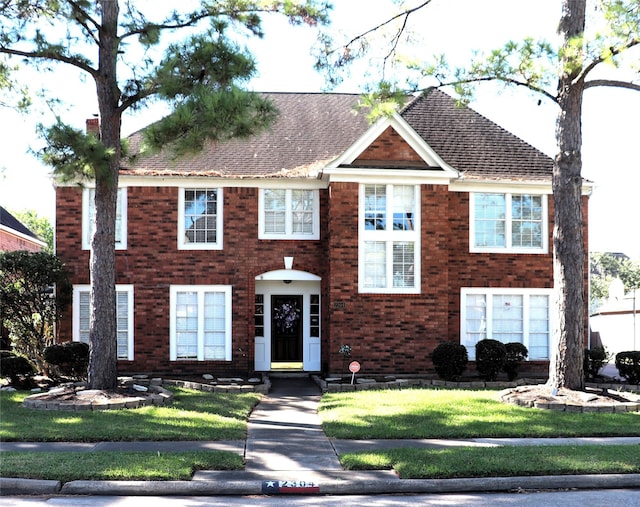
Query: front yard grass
[(455, 413), (455, 462), (115, 466), (194, 415)]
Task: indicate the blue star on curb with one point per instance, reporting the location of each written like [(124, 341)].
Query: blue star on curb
[(290, 487)]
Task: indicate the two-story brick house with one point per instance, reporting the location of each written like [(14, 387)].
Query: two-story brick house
[(431, 225)]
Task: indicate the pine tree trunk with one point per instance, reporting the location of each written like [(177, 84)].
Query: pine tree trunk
[(566, 367), (103, 372)]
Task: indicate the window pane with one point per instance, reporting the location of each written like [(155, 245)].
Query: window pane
[(83, 313), (539, 331), (200, 215), (403, 207), (375, 207), (508, 318), (526, 226), (187, 325), (92, 212), (302, 211), (122, 323), (375, 264), (490, 220), (275, 211), (476, 321), (403, 261)]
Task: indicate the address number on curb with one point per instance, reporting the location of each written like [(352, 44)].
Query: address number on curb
[(290, 487)]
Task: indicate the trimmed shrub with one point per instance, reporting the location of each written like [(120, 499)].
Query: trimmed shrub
[(69, 359), (594, 360), (490, 358), (516, 354), (450, 360), (16, 368), (628, 364)]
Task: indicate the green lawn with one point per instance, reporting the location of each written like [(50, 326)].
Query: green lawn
[(443, 413), (194, 415), (456, 462), (115, 466)]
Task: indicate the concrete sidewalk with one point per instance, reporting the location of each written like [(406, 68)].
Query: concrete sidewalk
[(286, 451)]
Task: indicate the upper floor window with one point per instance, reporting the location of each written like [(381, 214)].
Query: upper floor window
[(200, 219), (389, 239), (508, 223), (200, 318), (124, 318), (88, 217), (287, 213)]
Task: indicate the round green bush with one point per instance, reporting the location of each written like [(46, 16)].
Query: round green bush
[(490, 358), (594, 360), (70, 359), (450, 360), (516, 354), (16, 368), (628, 364)]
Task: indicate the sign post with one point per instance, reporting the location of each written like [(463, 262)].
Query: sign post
[(354, 367)]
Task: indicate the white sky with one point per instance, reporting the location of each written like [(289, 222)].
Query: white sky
[(455, 27)]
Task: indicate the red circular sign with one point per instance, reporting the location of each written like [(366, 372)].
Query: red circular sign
[(354, 366)]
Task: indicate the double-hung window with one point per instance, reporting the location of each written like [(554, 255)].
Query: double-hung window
[(89, 213), (286, 213), (124, 318), (507, 315), (504, 222), (200, 323), (389, 238), (200, 219)]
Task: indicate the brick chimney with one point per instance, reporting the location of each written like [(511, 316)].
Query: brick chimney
[(93, 127)]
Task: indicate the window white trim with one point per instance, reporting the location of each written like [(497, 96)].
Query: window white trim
[(88, 205), (184, 245), (200, 291), (509, 248), (76, 317), (488, 331), (388, 237), (288, 233)]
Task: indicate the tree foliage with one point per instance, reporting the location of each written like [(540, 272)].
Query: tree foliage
[(132, 52), (30, 307), (40, 226), (604, 267)]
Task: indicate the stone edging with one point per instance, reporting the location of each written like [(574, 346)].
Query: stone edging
[(154, 394)]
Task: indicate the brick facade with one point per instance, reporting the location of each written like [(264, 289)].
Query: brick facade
[(388, 333), (11, 242)]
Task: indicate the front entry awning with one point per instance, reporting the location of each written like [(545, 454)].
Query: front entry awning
[(288, 274)]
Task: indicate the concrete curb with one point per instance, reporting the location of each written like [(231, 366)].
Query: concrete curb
[(9, 486)]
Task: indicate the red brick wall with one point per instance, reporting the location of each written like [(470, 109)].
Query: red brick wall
[(397, 333), (388, 333), (152, 263), (389, 146), (10, 243)]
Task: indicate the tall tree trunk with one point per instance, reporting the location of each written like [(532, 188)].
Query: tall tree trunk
[(566, 367), (103, 372)]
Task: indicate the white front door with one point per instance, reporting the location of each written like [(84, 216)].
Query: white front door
[(274, 341)]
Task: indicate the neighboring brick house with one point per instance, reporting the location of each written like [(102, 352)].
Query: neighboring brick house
[(432, 225), (14, 235)]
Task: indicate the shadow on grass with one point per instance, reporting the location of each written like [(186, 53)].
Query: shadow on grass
[(424, 413), (192, 416)]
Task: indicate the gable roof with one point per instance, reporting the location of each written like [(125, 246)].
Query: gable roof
[(473, 144), (314, 129), (311, 130), (9, 222)]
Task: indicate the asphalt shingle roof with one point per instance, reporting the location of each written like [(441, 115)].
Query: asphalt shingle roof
[(473, 144), (11, 222), (313, 129)]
